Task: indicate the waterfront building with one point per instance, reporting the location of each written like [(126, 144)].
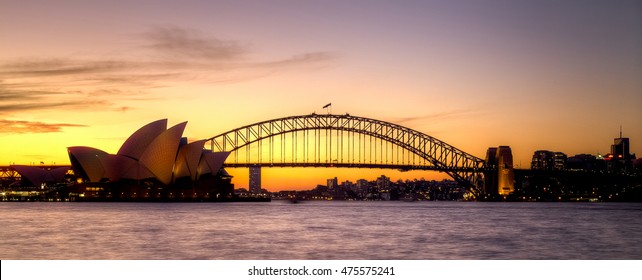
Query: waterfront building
[(542, 160), (620, 160), (383, 182), (332, 183), (559, 161), (584, 162), (255, 179), (154, 162), (548, 160), (362, 187)]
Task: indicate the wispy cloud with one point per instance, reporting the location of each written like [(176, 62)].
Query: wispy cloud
[(58, 67), (21, 127), (455, 114), (178, 44), (169, 54), (13, 101)]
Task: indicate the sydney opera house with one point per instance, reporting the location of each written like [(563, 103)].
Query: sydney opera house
[(153, 164)]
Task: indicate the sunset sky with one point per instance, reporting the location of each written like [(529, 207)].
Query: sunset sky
[(556, 75)]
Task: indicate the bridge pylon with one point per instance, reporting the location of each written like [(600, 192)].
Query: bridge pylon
[(499, 176)]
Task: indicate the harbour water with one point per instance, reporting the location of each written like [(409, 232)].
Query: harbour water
[(321, 230)]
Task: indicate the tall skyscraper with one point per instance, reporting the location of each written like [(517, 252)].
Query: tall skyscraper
[(255, 179), (620, 160), (333, 183), (620, 148)]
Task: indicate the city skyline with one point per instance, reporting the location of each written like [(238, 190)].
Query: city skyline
[(543, 75)]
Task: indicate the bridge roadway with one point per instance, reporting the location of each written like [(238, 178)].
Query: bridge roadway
[(353, 165), (8, 173)]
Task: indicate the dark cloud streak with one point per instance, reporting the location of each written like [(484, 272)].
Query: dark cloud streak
[(7, 108), (22, 127), (437, 116), (59, 67), (171, 54), (180, 43)]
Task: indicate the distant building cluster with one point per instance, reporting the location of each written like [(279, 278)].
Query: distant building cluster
[(618, 161), (380, 189), (554, 176)]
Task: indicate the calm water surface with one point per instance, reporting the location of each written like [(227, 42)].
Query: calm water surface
[(321, 230)]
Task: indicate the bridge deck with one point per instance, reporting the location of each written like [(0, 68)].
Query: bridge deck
[(349, 165)]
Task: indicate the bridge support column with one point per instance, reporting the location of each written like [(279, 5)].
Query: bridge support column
[(500, 177), (255, 179)]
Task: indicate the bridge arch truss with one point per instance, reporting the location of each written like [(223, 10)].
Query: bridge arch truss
[(326, 140)]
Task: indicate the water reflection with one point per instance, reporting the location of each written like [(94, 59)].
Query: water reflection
[(321, 230)]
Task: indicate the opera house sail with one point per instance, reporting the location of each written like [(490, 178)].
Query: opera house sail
[(154, 163)]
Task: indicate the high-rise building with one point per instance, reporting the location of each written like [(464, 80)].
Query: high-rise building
[(333, 183), (559, 161), (255, 179), (383, 182), (620, 160), (542, 160), (620, 147), (547, 160)]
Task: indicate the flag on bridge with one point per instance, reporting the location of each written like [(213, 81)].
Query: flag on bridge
[(327, 105)]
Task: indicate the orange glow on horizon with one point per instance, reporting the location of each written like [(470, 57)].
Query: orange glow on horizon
[(89, 73)]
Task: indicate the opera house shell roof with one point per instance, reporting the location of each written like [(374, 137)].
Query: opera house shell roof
[(153, 151)]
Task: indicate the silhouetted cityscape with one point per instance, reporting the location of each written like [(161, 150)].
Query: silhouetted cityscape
[(553, 176), (158, 164)]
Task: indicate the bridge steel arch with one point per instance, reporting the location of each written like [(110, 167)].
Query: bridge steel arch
[(461, 166)]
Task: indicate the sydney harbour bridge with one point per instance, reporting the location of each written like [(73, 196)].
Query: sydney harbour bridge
[(346, 141)]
